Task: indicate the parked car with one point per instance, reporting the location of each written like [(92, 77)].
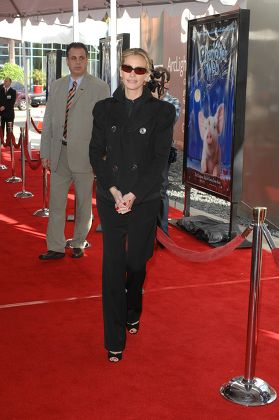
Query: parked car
[(20, 102), (37, 99)]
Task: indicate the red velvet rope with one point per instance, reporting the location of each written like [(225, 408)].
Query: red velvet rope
[(11, 139), (35, 126), (204, 256), (33, 164)]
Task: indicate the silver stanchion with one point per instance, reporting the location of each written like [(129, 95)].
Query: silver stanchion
[(2, 166), (44, 212), (13, 178), (23, 193), (249, 390)]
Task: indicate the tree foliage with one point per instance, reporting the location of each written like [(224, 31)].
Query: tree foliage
[(13, 71)]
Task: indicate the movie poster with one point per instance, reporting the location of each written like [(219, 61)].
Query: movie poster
[(209, 124)]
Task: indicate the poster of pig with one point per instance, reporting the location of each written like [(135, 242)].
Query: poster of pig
[(210, 100)]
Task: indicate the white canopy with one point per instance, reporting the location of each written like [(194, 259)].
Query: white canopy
[(49, 10)]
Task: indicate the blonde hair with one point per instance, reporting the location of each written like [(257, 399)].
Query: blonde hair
[(137, 51)]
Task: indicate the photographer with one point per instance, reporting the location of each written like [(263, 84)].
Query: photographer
[(159, 86)]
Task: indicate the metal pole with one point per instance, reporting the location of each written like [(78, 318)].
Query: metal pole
[(2, 166), (75, 21), (22, 22), (13, 178), (23, 193), (249, 390), (44, 212), (113, 45)]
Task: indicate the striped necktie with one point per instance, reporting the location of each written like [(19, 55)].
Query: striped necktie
[(71, 95)]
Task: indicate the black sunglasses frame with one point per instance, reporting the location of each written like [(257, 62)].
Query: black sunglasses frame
[(140, 71)]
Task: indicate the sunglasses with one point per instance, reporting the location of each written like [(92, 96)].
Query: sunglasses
[(137, 70)]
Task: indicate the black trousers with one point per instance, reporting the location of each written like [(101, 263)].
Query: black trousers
[(128, 243), (4, 122)]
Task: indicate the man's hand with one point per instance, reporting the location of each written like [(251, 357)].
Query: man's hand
[(45, 163)]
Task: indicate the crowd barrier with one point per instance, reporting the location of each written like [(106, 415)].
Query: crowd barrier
[(248, 389)]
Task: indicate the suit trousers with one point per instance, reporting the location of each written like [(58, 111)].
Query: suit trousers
[(4, 123), (128, 243), (60, 182)]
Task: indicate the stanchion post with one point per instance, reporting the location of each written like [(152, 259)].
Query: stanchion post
[(23, 193), (2, 166), (249, 390), (13, 178), (44, 212)]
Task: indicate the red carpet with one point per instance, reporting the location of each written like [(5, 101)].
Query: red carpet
[(192, 336)]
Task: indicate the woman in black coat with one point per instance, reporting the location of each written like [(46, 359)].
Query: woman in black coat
[(131, 139)]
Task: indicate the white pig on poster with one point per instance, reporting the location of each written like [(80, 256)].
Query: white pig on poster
[(210, 130)]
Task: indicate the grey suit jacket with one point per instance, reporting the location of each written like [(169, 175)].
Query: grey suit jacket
[(80, 122)]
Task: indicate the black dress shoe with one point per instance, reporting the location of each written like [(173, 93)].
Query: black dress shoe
[(77, 252), (52, 255)]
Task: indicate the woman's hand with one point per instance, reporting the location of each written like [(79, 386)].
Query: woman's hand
[(120, 207), (123, 204), (129, 200)]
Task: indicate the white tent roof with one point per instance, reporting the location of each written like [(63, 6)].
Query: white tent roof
[(49, 10)]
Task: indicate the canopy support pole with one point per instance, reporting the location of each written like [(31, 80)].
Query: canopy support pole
[(113, 45)]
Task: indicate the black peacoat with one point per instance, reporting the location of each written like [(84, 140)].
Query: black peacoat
[(130, 152)]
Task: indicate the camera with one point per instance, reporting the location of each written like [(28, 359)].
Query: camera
[(156, 85)]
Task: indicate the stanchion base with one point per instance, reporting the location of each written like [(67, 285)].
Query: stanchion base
[(3, 167), (250, 393), (23, 194), (42, 213), (14, 179), (69, 244)]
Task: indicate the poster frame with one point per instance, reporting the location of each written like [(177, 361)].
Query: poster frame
[(242, 16)]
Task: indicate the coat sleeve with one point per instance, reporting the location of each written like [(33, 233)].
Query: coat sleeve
[(98, 147), (162, 142)]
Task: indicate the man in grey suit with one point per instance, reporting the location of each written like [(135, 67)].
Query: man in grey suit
[(64, 150)]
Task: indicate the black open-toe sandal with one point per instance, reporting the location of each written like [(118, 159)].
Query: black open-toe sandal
[(132, 327), (115, 357)]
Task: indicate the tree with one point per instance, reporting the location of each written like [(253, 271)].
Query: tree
[(13, 71)]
